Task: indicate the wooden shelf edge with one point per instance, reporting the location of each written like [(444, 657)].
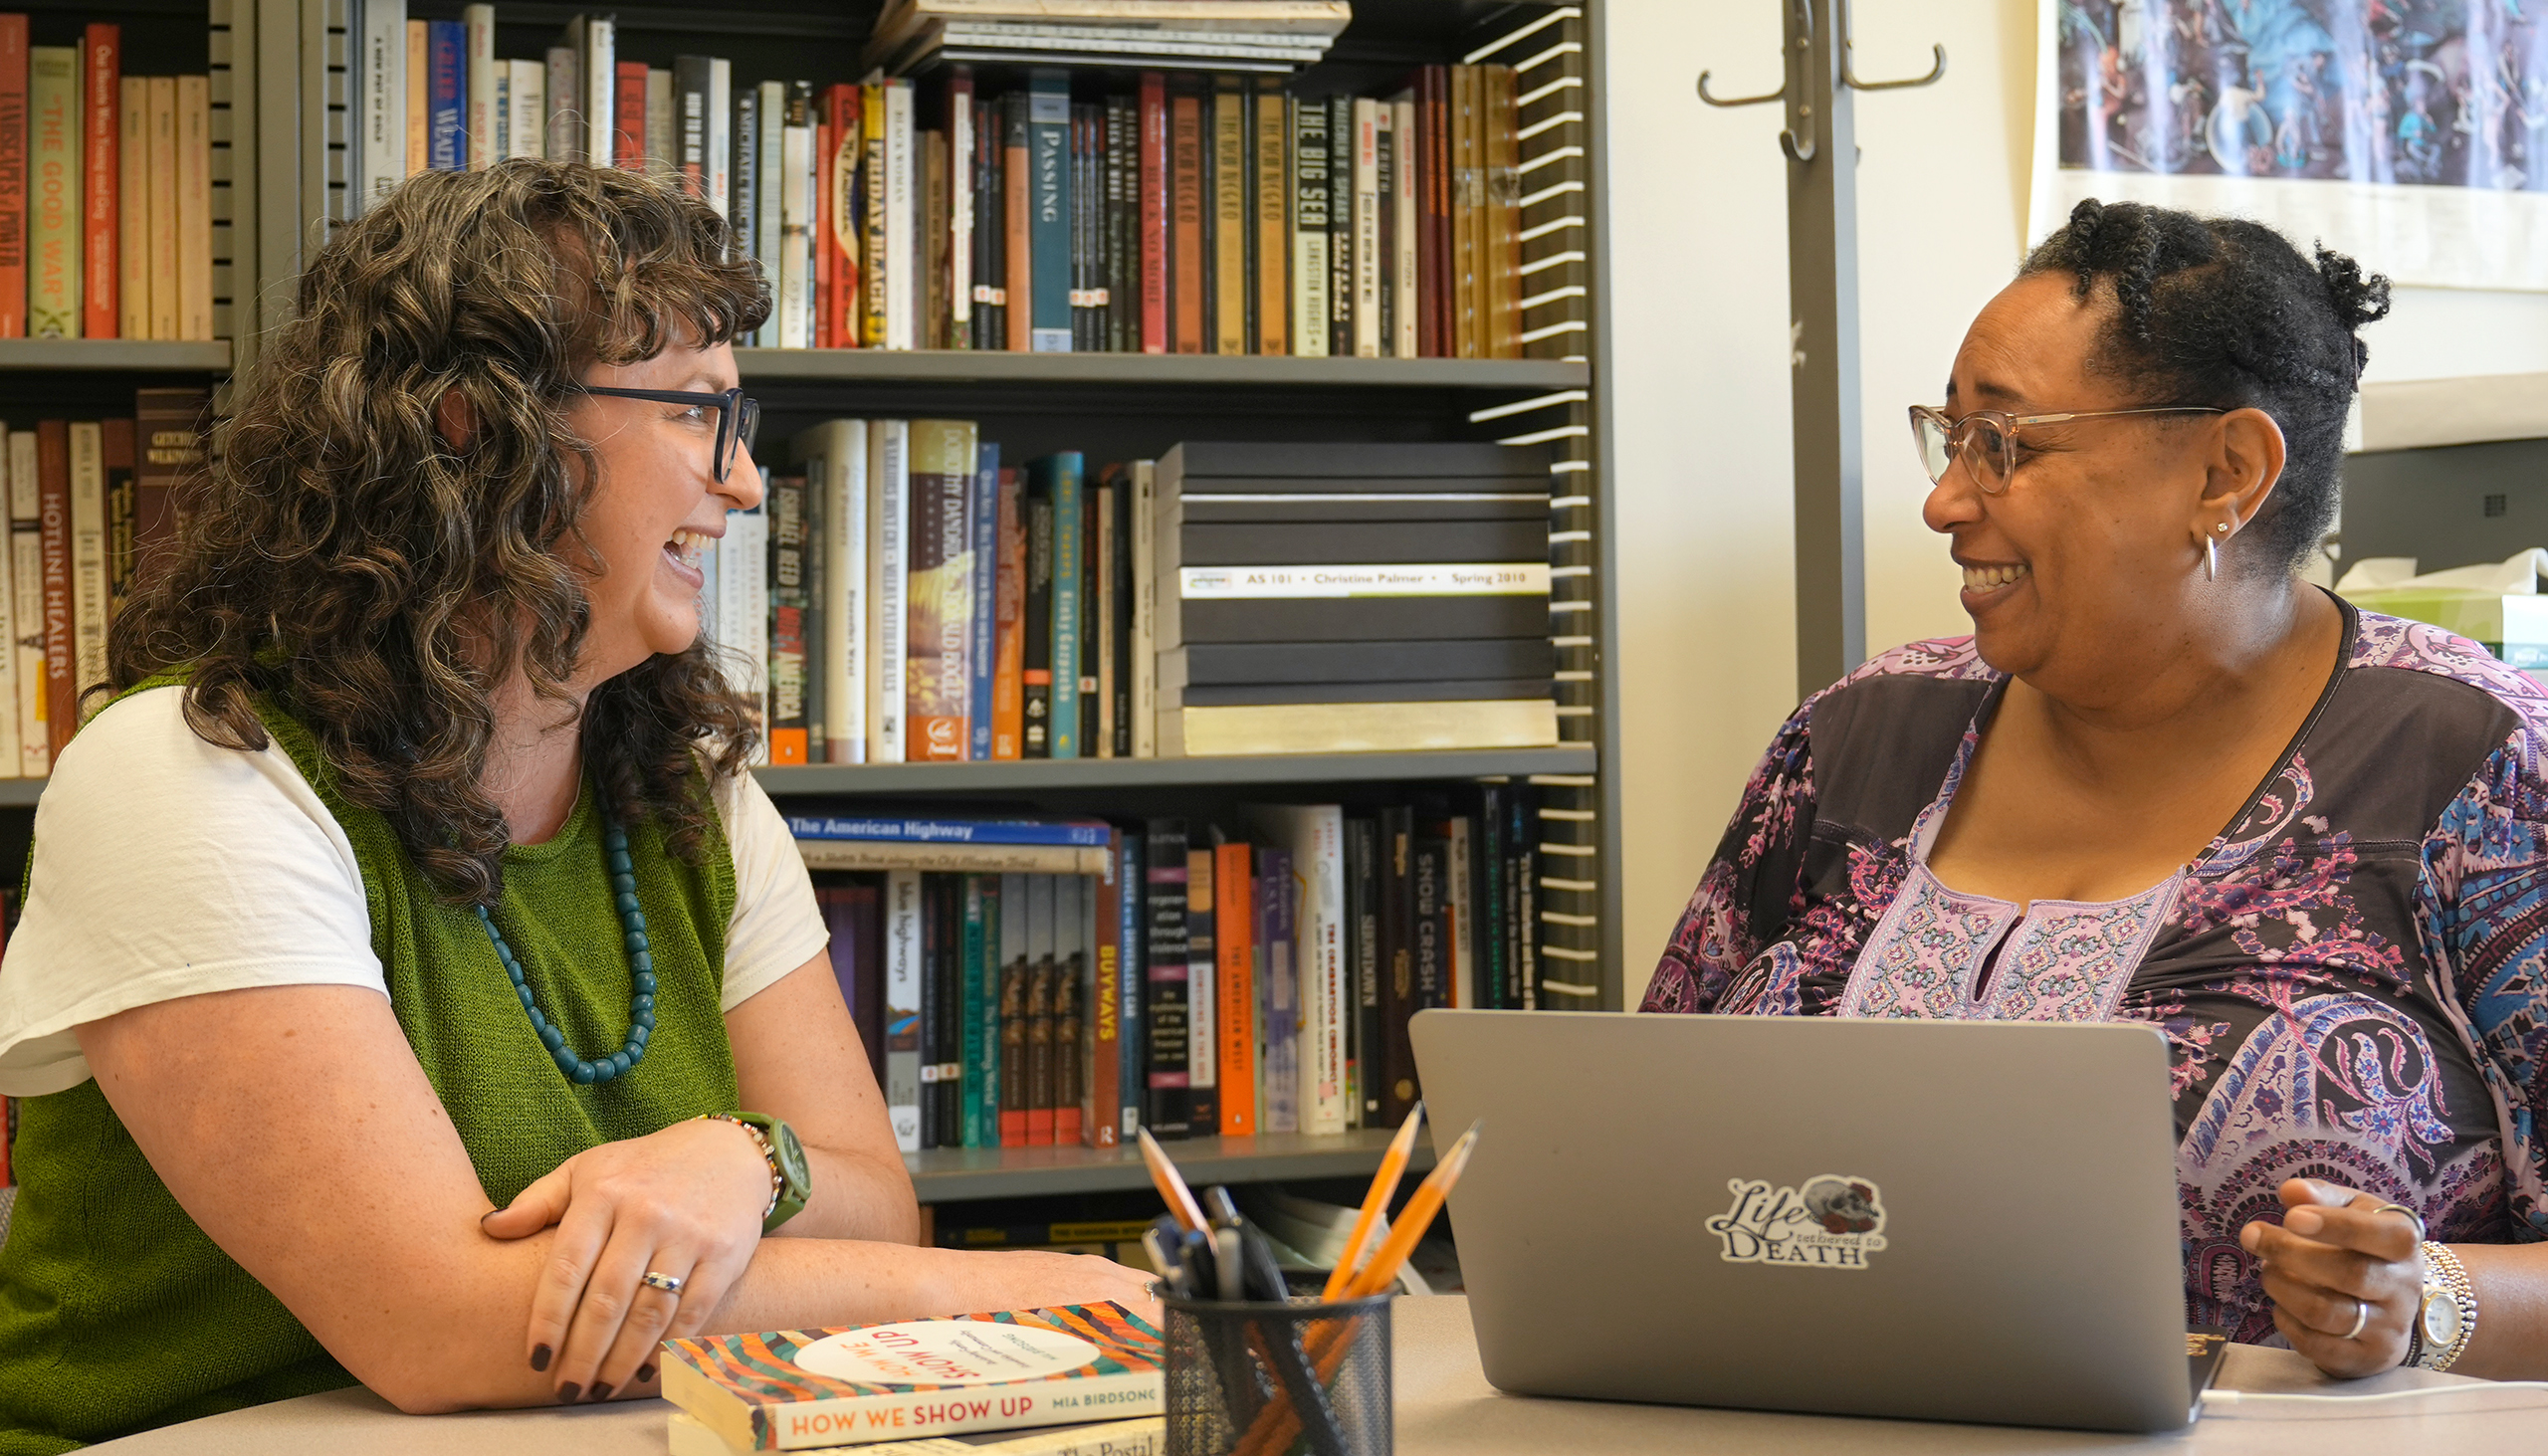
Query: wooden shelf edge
[(1041, 775), (133, 354), (954, 366), (965, 1174)]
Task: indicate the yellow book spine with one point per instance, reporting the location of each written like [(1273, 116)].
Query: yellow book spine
[(160, 247), (132, 210)]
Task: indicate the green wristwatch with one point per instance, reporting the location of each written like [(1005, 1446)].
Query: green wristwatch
[(791, 1183)]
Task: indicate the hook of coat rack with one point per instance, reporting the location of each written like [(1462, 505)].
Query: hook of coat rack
[(1936, 74), (1715, 100), (1849, 79)]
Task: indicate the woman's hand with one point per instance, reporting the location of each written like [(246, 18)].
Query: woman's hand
[(685, 1201), (1034, 1279), (2335, 1257)]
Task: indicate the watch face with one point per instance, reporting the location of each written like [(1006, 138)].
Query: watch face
[(791, 1156), (2440, 1319)]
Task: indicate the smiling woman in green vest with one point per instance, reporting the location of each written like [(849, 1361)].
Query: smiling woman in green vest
[(413, 989)]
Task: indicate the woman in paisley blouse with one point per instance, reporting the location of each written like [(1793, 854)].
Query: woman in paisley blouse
[(2167, 780)]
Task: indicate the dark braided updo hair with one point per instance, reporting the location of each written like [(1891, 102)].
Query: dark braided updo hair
[(2224, 311)]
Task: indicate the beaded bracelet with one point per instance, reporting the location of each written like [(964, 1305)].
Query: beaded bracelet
[(769, 1155)]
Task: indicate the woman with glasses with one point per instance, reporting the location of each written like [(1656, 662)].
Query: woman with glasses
[(413, 987), (2166, 781)]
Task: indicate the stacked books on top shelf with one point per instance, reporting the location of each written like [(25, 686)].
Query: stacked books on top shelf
[(87, 502), (105, 193), (1194, 977), (1237, 34), (1322, 598), (910, 598), (1143, 211)]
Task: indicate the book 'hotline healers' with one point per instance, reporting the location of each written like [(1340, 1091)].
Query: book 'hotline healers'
[(918, 1378)]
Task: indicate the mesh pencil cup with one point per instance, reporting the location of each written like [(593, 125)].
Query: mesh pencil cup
[(1268, 1380)]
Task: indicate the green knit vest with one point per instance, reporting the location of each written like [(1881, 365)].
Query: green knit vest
[(119, 1314)]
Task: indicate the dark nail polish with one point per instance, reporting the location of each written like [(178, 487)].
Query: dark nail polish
[(567, 1392), (601, 1390), (540, 1356), (645, 1372)]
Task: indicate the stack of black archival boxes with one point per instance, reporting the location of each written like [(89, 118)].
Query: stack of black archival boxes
[(1339, 598)]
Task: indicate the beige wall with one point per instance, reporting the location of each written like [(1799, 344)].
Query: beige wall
[(1698, 318)]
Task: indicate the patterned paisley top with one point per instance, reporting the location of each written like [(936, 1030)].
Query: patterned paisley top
[(2350, 977)]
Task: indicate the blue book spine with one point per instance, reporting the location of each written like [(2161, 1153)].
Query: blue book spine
[(1131, 967), (879, 829), (1048, 150), (985, 598), (447, 86), (1069, 510)]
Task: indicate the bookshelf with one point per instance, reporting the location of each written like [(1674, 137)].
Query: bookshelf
[(282, 124)]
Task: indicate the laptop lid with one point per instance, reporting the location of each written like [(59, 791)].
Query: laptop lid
[(1948, 1220)]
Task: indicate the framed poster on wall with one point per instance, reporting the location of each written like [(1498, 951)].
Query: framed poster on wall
[(2411, 133)]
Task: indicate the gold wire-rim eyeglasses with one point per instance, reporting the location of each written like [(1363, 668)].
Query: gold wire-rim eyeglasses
[(1989, 437)]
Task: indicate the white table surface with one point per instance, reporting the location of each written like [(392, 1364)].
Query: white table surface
[(1445, 1406)]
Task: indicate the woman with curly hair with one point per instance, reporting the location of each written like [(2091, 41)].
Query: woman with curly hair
[(413, 989), (2167, 780)]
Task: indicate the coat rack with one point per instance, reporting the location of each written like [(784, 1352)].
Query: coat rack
[(1821, 141)]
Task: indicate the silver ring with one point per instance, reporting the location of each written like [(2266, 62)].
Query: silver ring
[(669, 1284), (2360, 1317), (2412, 1216)]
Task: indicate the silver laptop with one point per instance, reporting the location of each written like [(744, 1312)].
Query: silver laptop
[(1970, 1221)]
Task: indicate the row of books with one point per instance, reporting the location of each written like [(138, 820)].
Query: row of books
[(1180, 213), (87, 500), (907, 598), (1254, 34), (1039, 982), (105, 193)]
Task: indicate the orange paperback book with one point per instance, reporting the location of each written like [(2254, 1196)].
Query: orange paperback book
[(799, 1389)]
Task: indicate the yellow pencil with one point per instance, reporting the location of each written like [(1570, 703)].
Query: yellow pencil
[(1376, 1202), (1412, 1224), (1172, 1184)]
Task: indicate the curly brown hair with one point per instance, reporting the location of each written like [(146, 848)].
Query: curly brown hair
[(377, 581)]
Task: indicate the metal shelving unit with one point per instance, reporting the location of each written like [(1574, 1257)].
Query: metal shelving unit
[(1042, 775), (280, 117), (975, 366), (129, 355), (956, 1175)]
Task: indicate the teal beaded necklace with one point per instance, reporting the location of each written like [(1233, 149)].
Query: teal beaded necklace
[(641, 961)]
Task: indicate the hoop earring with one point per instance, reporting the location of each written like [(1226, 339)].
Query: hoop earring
[(2211, 561)]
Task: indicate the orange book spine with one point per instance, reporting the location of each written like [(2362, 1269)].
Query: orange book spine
[(1017, 178), (101, 129), (838, 235), (1233, 915), (823, 271), (1008, 626), (628, 117)]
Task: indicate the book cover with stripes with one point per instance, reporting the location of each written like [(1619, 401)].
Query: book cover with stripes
[(797, 1388)]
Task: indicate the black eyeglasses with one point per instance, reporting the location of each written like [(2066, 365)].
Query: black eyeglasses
[(736, 416)]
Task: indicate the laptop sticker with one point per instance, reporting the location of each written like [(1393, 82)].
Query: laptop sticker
[(1828, 1221)]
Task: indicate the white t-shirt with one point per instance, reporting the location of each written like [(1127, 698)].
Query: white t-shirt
[(170, 866)]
